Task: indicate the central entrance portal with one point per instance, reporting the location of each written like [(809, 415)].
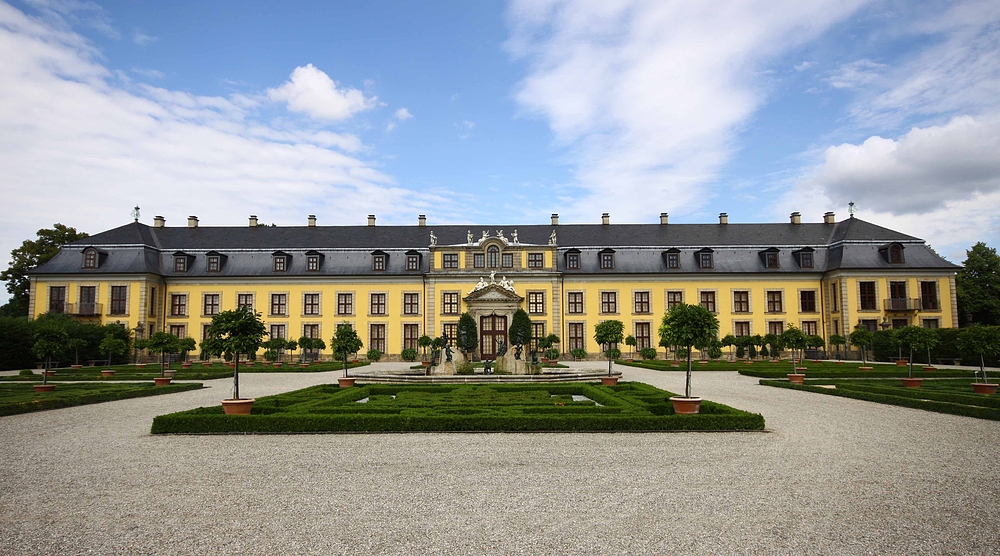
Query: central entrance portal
[(492, 331)]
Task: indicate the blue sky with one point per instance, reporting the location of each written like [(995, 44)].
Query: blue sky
[(501, 112)]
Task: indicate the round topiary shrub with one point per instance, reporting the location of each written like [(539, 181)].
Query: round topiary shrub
[(464, 368), (409, 354), (579, 353), (648, 353), (374, 355), (26, 372)]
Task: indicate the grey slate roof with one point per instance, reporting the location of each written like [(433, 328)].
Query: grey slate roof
[(138, 248)]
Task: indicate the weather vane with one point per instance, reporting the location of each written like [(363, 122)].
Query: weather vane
[(135, 213), (851, 209)]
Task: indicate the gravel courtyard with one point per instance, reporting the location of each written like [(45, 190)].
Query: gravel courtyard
[(831, 476)]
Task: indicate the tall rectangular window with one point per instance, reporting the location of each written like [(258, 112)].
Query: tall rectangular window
[(278, 331), (88, 300), (180, 264), (536, 260), (279, 304), (378, 263), (479, 260), (771, 259), (245, 300), (607, 261), (929, 296), (741, 328), (704, 260), (450, 329), (833, 295), (641, 303), (312, 263), (673, 260), (178, 305), (537, 333), (866, 292), (643, 337), (536, 303), (449, 260), (507, 260), (412, 262), (213, 263), (411, 333), (178, 331), (119, 300), (345, 303), (211, 304), (90, 258), (774, 304), (153, 301), (810, 327), (310, 331), (377, 338), (280, 263), (806, 260), (741, 302), (411, 303), (57, 299), (775, 328), (310, 304), (573, 261), (609, 302), (674, 299), (577, 340), (449, 303), (574, 303), (377, 304), (708, 301), (807, 301)]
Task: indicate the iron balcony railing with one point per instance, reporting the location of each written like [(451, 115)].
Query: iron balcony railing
[(902, 304), (929, 304), (84, 309)]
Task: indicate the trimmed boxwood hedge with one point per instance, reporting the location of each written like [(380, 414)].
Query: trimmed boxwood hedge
[(21, 398), (943, 400), (823, 370), (629, 406)]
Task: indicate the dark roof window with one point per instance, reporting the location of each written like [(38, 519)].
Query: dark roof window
[(314, 261), (380, 260), (413, 260), (214, 261), (672, 258), (182, 261), (607, 259), (704, 258), (892, 253), (769, 257), (804, 257), (280, 261), (93, 257)]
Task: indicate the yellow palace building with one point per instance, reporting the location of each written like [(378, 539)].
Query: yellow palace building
[(397, 283)]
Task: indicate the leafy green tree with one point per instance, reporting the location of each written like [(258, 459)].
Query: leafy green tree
[(862, 338), (519, 332), (50, 339), (689, 326), (186, 345), (237, 331), (425, 341), (345, 341), (305, 344), (729, 341), (837, 340), (319, 345), (468, 334), (774, 345), (795, 339), (273, 347), (984, 340), (112, 346), (163, 343), (608, 334), (978, 286), (74, 345), (28, 256), (916, 338), (290, 346), (754, 343)]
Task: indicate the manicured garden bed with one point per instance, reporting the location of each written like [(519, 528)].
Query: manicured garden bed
[(556, 407), (852, 370), (21, 398), (953, 396), (295, 368), (126, 372)]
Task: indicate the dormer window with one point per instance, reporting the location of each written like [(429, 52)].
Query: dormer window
[(314, 260), (412, 260), (213, 263), (769, 257), (892, 253), (573, 259), (90, 258), (804, 257), (704, 258), (607, 259), (280, 261), (672, 258), (182, 261), (493, 256), (379, 260)]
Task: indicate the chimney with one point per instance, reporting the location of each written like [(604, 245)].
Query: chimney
[(192, 221), (421, 220), (605, 219), (796, 218), (663, 218), (555, 219), (159, 222), (371, 220), (828, 218), (312, 220), (253, 220), (723, 218)]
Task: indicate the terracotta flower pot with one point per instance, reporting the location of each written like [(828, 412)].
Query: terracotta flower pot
[(162, 381), (346, 382), (609, 380), (44, 387), (796, 378), (930, 368), (902, 362), (748, 362), (140, 365), (425, 363), (76, 366), (303, 365), (686, 406), (186, 365), (983, 388), (237, 407), (912, 382), (864, 368), (206, 364), (703, 362), (49, 373), (277, 365), (107, 374)]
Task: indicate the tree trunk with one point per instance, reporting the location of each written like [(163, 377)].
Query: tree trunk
[(236, 376), (45, 371), (982, 368), (911, 362), (687, 382)]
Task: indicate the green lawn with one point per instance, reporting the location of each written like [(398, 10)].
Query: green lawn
[(21, 398), (196, 372), (825, 369), (953, 396), (630, 406)]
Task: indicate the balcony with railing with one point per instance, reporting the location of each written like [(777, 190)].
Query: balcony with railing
[(901, 304), (929, 304), (84, 309)]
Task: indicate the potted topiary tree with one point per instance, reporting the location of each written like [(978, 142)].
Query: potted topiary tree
[(814, 342), (770, 343), (304, 344), (111, 346), (795, 339), (984, 340), (290, 346), (162, 343), (861, 338), (630, 342), (468, 335), (237, 332), (608, 334), (914, 338), (374, 355), (425, 342), (648, 353), (519, 332), (186, 346), (551, 351), (579, 354), (691, 326), (837, 340), (318, 345), (272, 350), (345, 342), (729, 341), (754, 343), (50, 338), (74, 345)]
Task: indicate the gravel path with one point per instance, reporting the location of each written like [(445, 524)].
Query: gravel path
[(833, 476)]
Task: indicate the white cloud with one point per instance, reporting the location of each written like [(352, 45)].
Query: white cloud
[(403, 114), (646, 97), (81, 147), (311, 91), (142, 39), (803, 66), (855, 74), (464, 128), (76, 13), (148, 73)]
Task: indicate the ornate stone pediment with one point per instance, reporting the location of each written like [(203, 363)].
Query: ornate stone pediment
[(494, 293)]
